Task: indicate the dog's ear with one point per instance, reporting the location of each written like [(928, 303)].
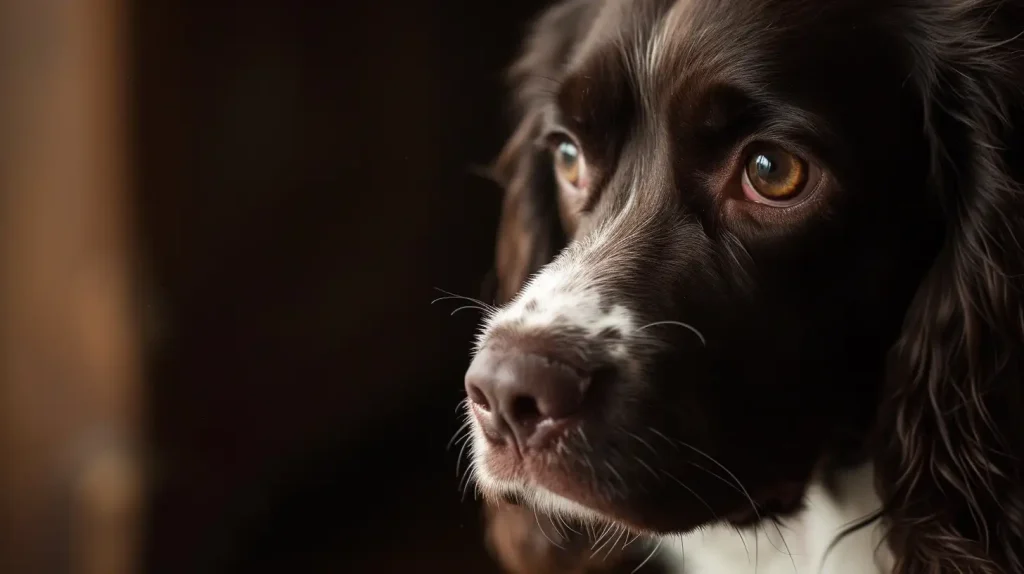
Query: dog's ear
[(529, 233), (952, 422)]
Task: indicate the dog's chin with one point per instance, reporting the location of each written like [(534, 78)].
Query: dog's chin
[(548, 483), (542, 482)]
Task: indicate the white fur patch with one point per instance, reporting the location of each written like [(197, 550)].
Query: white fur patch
[(560, 297), (799, 544)]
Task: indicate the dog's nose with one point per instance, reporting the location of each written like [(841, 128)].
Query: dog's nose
[(524, 397)]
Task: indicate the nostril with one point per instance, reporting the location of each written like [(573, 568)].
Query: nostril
[(525, 410), (478, 397), (524, 397)]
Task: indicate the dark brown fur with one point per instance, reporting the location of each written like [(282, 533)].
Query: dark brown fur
[(902, 299)]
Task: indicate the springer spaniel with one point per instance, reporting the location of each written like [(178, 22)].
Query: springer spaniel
[(761, 281)]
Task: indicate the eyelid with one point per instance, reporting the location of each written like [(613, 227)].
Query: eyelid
[(550, 135)]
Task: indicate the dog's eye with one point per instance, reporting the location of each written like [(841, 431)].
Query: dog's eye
[(568, 162), (574, 182), (774, 174)]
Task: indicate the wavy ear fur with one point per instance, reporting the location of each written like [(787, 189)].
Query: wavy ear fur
[(951, 464), (529, 233)]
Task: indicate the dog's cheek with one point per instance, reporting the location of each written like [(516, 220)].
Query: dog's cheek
[(523, 545)]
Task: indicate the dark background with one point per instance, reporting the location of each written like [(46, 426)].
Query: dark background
[(305, 180)]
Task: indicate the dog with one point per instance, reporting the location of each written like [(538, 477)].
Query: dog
[(760, 284)]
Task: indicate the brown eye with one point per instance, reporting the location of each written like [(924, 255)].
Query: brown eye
[(774, 174), (568, 162)]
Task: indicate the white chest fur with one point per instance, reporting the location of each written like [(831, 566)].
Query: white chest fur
[(798, 544)]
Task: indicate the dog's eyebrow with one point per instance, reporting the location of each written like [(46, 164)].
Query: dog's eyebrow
[(576, 101), (731, 112), (595, 102), (777, 118)]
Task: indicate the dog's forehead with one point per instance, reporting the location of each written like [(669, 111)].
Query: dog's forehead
[(621, 23), (662, 41)]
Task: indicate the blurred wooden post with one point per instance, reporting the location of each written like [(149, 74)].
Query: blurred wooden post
[(69, 392)]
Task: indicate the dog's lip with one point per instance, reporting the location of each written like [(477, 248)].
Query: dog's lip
[(534, 468), (534, 476)]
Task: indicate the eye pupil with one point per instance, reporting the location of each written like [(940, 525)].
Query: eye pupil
[(568, 162), (776, 174), (567, 153), (765, 166)]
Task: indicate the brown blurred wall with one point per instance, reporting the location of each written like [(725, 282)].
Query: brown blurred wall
[(69, 387)]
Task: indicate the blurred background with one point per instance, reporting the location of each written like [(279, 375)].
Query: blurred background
[(222, 224)]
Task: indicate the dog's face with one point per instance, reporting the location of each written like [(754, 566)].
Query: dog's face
[(733, 195)]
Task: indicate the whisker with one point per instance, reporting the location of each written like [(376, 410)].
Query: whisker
[(785, 544), (568, 526), (691, 463), (630, 541), (554, 525), (692, 329), (606, 531), (757, 548), (660, 434), (737, 484), (464, 482), (742, 489), (448, 295), (562, 526), (611, 468), (694, 493), (640, 440), (481, 309), (736, 479), (583, 437), (586, 462), (715, 475), (465, 438), (455, 436), (645, 465), (537, 517), (649, 556), (610, 531), (743, 541), (458, 461), (622, 531)]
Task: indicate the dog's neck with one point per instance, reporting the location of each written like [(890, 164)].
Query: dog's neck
[(795, 544)]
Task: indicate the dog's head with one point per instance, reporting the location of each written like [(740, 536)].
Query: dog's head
[(739, 236)]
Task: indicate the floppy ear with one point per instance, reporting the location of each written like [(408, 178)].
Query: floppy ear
[(952, 421), (529, 232)]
